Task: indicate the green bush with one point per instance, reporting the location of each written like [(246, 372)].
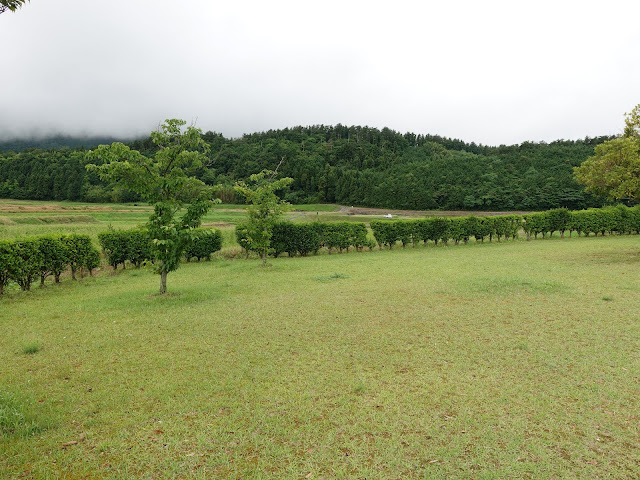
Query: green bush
[(7, 259), (242, 237), (505, 226), (558, 220), (634, 219), (114, 247), (441, 230), (55, 257), (205, 243), (358, 236), (404, 231), (479, 227), (422, 230), (120, 246), (139, 246), (385, 232), (589, 221), (27, 262), (535, 224), (82, 253), (308, 238), (342, 234), (459, 229)]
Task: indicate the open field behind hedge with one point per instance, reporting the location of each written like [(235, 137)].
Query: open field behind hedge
[(20, 218), (512, 360)]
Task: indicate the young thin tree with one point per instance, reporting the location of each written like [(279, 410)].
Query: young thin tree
[(265, 208), (180, 200)]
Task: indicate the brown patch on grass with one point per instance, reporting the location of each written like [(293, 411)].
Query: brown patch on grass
[(219, 224), (420, 213), (56, 208)]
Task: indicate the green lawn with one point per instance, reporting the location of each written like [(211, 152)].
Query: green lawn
[(510, 360)]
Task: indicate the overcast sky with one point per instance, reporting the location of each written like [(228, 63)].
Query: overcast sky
[(487, 71)]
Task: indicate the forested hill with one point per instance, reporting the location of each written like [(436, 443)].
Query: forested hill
[(53, 142), (348, 165)]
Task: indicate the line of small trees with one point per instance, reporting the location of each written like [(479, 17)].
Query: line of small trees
[(24, 261), (136, 246)]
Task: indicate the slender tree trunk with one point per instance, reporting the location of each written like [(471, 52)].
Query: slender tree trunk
[(56, 277), (42, 277), (163, 282), (264, 257), (73, 273)]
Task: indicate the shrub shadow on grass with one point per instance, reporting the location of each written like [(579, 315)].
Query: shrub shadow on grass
[(626, 256), (330, 278)]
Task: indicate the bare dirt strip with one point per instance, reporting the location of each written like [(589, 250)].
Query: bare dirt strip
[(53, 208), (420, 213)]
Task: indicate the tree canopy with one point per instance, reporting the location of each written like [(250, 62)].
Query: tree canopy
[(265, 208), (12, 5), (166, 180), (614, 170)]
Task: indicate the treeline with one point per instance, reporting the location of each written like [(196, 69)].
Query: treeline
[(53, 142), (360, 166)]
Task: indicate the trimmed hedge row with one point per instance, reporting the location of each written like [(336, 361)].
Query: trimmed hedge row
[(135, 246), (23, 261), (307, 238), (443, 230), (619, 219)]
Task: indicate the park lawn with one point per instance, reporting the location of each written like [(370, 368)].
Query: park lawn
[(504, 360)]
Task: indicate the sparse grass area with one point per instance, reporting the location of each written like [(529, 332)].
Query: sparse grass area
[(479, 361)]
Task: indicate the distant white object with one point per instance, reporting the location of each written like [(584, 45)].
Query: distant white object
[(388, 215)]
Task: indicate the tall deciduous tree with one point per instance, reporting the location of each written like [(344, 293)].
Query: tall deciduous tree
[(166, 180), (265, 208), (614, 170)]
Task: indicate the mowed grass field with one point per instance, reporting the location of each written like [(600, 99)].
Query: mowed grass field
[(497, 360)]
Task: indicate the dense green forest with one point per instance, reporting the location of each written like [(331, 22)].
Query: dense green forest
[(53, 142), (359, 166)]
